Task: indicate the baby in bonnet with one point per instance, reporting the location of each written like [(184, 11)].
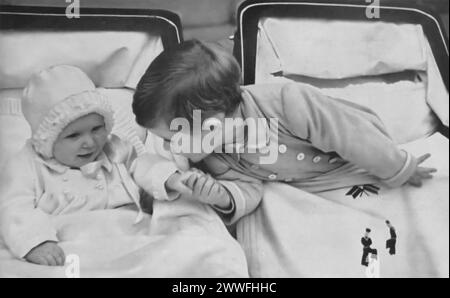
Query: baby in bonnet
[(71, 164)]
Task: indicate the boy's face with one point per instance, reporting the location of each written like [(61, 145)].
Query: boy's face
[(81, 141), (162, 130)]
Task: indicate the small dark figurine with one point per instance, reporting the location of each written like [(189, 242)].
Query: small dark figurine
[(391, 242), (367, 242)]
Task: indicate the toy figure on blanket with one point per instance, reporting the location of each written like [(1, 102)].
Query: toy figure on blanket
[(70, 164), (392, 241), (309, 140), (366, 242)]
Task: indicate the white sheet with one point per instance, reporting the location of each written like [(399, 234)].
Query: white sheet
[(181, 239), (296, 234)]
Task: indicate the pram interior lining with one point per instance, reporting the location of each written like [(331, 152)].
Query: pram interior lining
[(348, 59), (112, 59)]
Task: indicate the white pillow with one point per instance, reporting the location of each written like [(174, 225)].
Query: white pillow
[(331, 49), (404, 101)]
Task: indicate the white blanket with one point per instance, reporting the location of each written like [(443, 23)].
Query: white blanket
[(297, 234), (181, 239)]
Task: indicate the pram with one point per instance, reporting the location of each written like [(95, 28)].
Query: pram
[(393, 59), (114, 47)]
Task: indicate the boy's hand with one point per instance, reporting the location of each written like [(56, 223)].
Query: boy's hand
[(421, 173), (48, 253), (176, 183), (207, 190)]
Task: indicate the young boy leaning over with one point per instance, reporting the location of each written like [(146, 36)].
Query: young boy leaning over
[(324, 143)]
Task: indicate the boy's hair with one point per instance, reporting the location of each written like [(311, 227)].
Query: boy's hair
[(191, 76), (368, 230)]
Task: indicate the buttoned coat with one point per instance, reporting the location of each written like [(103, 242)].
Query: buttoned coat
[(33, 190), (323, 143)]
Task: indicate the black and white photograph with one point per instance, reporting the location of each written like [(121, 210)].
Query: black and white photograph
[(224, 145)]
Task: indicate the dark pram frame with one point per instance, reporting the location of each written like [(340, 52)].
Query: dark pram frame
[(30, 18)]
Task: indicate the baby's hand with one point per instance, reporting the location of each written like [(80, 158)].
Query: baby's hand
[(421, 173), (48, 253), (176, 183), (207, 190)]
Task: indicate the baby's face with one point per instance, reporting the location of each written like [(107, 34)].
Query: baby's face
[(81, 141)]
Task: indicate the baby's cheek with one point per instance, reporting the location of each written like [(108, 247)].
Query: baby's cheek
[(75, 148), (66, 151), (101, 138)]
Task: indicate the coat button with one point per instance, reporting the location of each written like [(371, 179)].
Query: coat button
[(301, 156), (65, 179), (317, 159), (99, 176), (282, 148), (272, 176), (99, 186), (333, 160)]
